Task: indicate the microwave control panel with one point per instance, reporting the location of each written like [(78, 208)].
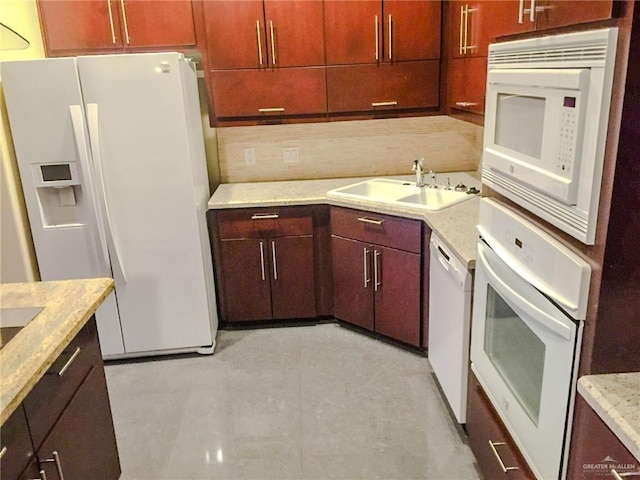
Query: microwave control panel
[(566, 151)]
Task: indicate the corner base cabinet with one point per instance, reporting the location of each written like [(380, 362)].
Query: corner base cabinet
[(377, 272), (264, 263), (70, 432)]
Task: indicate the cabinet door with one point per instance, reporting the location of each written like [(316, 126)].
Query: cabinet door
[(396, 279), (251, 93), (83, 436), (354, 31), (467, 84), (295, 33), (475, 24), (157, 23), (292, 277), (558, 13), (405, 85), (70, 25), (245, 271), (485, 427), (236, 35), (411, 30), (352, 282), (15, 445)]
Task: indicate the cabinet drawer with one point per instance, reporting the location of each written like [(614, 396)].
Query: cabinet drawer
[(51, 394), (15, 446), (383, 87), (489, 439), (385, 230), (265, 222)]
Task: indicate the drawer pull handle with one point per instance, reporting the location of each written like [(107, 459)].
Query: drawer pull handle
[(56, 460), (465, 104), (264, 216), (618, 476), (365, 260), (393, 103), (271, 110), (3, 452), (275, 262), (370, 220), (262, 259), (376, 275), (493, 446), (69, 362)]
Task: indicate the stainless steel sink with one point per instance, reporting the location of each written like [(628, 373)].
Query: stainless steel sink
[(398, 192)]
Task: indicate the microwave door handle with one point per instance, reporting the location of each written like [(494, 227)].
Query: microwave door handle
[(521, 303), (79, 132), (94, 136)]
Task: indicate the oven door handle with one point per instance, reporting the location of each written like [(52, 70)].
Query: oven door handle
[(516, 299)]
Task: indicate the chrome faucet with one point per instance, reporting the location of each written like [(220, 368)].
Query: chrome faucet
[(417, 167)]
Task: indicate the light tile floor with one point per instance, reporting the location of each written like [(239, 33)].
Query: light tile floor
[(302, 403)]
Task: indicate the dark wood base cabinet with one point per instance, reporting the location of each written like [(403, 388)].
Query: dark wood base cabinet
[(265, 263), (497, 455), (377, 273), (70, 427)]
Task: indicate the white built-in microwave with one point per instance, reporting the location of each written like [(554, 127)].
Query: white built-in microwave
[(546, 118)]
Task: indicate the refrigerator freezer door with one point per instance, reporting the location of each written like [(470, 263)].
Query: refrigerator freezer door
[(44, 103), (144, 147)]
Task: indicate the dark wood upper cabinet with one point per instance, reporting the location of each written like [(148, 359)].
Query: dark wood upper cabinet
[(235, 34), (353, 31), (69, 25), (295, 33), (102, 26), (264, 34), (381, 31), (151, 23), (558, 13), (467, 84), (383, 87), (250, 93)]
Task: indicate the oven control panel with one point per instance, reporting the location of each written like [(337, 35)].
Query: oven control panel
[(533, 254), (566, 150)]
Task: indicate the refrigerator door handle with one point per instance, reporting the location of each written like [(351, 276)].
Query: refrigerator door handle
[(94, 138), (79, 131)]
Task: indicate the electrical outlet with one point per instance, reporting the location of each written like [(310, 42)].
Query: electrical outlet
[(249, 156), (291, 155)]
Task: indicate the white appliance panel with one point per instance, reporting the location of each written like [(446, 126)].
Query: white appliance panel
[(449, 325), (67, 243), (143, 147), (558, 180)]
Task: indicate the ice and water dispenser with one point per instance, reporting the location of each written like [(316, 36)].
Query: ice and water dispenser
[(59, 191)]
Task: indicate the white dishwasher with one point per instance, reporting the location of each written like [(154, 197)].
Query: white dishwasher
[(450, 290)]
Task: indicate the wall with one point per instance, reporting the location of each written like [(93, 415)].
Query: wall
[(349, 149), (17, 261)]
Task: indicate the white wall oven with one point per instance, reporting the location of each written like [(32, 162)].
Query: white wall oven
[(546, 118), (530, 301)]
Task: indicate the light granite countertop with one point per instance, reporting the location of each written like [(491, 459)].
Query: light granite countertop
[(456, 225), (615, 398), (66, 307)]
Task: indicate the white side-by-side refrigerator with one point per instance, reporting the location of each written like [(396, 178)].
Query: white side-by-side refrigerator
[(111, 157)]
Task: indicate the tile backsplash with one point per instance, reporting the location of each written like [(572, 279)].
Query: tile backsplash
[(347, 149)]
